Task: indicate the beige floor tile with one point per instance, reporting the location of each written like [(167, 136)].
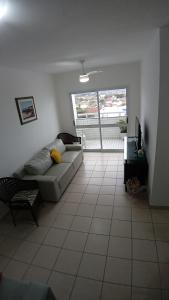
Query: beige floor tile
[(86, 289), (46, 257), (75, 241), (110, 175), (97, 244), (80, 180), (118, 271), (105, 200), (144, 250), (95, 180), (121, 228), (77, 188), (87, 167), (92, 266), (98, 174), (112, 168), (55, 237), (119, 247), (21, 231), (63, 221), (37, 274), (119, 292), (120, 174), (100, 226), (3, 262), (73, 197), (84, 174), (122, 201), (146, 274), (109, 181), (107, 189), (92, 189), (163, 251), (15, 269), (100, 168), (89, 199), (122, 213), (37, 235), (9, 246), (85, 210), (68, 261), (69, 208), (141, 215), (164, 272), (81, 224), (162, 232), (26, 252), (142, 231), (143, 294), (103, 211), (119, 181), (61, 285), (160, 215)]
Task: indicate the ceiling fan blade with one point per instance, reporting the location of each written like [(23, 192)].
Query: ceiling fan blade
[(93, 72)]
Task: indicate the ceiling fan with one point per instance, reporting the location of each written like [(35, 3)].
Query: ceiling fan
[(84, 77)]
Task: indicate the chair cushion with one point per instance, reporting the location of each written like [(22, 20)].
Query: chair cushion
[(39, 164), (25, 196), (56, 144)]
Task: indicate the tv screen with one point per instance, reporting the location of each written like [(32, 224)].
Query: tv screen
[(138, 133)]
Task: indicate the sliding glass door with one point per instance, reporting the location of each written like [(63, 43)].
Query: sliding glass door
[(98, 117), (86, 118)]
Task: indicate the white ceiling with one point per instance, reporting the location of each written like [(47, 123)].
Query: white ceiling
[(52, 35)]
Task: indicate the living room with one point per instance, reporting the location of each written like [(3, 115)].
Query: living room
[(41, 48)]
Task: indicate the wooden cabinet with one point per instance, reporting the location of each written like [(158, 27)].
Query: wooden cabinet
[(134, 166)]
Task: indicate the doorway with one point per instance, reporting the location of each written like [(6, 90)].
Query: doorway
[(100, 118)]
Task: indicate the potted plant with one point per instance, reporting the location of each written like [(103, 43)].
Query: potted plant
[(123, 127)]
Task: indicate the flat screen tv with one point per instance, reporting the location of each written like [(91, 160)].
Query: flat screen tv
[(138, 133)]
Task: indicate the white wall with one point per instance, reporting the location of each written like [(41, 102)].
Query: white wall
[(116, 76), (160, 195), (149, 101), (18, 143)]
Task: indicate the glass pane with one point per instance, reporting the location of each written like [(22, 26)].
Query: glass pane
[(86, 118), (113, 117)]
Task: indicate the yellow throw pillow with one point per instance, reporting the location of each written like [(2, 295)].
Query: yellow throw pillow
[(56, 156)]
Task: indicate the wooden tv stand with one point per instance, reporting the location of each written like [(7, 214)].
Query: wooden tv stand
[(134, 166)]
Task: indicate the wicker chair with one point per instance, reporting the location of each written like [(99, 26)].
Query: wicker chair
[(19, 194), (68, 138)]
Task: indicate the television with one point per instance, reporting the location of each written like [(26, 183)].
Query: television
[(138, 133)]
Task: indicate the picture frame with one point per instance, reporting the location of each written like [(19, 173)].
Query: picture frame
[(26, 109)]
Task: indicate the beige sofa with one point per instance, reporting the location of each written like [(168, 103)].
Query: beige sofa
[(53, 178)]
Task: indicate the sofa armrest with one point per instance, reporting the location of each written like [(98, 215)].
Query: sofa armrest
[(73, 147), (48, 185)]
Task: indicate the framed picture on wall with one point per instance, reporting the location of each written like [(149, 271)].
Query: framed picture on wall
[(26, 109)]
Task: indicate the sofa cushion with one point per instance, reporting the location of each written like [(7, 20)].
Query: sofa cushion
[(74, 157), (69, 156), (63, 173), (56, 144), (39, 164)]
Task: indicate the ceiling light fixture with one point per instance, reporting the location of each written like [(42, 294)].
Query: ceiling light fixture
[(3, 9), (84, 78)]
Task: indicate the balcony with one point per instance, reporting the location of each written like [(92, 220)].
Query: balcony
[(87, 127)]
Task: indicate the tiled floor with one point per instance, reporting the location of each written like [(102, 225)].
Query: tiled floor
[(114, 144), (96, 243)]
